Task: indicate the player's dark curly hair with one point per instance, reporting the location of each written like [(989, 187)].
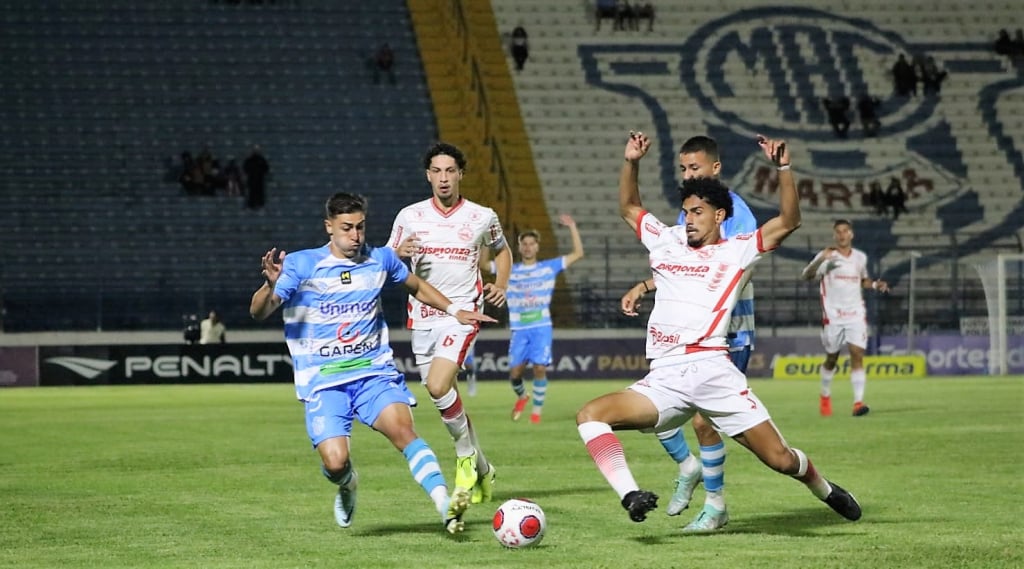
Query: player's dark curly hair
[(710, 190), (447, 150), (344, 202)]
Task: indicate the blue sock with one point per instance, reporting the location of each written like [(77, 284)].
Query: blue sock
[(675, 444), (540, 388), (424, 466), (712, 460)]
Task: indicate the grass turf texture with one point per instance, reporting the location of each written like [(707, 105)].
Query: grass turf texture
[(220, 476)]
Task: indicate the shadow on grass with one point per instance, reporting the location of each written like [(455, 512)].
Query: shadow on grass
[(805, 522)]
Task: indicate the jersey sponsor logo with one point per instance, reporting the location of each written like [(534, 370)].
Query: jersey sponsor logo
[(342, 350), (652, 229), (656, 336), (788, 61), (450, 251), (697, 270), (334, 309)]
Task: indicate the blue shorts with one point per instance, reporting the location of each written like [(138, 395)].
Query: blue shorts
[(532, 345), (330, 411)]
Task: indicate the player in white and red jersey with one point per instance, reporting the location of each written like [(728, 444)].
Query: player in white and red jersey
[(843, 275), (698, 275), (442, 237)]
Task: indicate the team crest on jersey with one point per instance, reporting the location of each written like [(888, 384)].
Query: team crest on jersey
[(466, 233), (346, 277), (766, 71)]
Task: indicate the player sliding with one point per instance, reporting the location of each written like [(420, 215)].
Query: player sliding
[(697, 274)]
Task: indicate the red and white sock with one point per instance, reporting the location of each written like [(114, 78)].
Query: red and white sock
[(606, 450)]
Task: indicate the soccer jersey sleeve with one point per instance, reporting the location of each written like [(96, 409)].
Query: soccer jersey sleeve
[(397, 272), (399, 231), (649, 229), (495, 236), (289, 279)]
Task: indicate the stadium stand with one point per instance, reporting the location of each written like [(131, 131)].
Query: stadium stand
[(96, 98)]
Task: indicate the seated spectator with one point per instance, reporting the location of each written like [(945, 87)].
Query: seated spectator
[(866, 107), (838, 114), (1017, 47), (645, 10), (520, 47), (191, 177), (896, 198), (932, 77), (384, 62), (904, 78)]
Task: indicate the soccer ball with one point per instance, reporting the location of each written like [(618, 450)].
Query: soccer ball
[(519, 523)]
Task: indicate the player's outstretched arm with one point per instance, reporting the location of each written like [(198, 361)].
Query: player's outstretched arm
[(427, 294), (877, 284), (264, 302), (810, 272), (577, 242), (776, 229), (630, 206)]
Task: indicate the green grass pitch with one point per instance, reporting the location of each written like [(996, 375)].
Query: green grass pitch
[(219, 476)]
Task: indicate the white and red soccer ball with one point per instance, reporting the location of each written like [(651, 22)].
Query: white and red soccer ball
[(519, 523)]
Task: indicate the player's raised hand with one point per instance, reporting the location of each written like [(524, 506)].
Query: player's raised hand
[(270, 265), (494, 294), (637, 146), (774, 150), (567, 220), (408, 247)]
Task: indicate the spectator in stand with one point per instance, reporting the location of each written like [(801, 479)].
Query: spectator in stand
[(866, 107), (256, 170), (605, 9), (625, 16), (1017, 47), (645, 10), (1003, 44), (233, 178), (904, 77), (520, 47), (384, 63), (212, 330), (896, 198), (838, 114), (932, 77), (876, 198)]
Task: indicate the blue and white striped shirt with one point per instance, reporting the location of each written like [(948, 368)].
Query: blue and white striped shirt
[(333, 322)]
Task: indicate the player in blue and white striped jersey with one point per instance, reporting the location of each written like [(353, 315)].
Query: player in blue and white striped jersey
[(338, 339), (530, 289)]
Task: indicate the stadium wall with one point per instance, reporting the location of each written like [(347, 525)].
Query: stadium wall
[(28, 360)]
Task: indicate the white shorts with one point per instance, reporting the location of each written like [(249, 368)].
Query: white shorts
[(448, 341), (705, 383), (836, 335)]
